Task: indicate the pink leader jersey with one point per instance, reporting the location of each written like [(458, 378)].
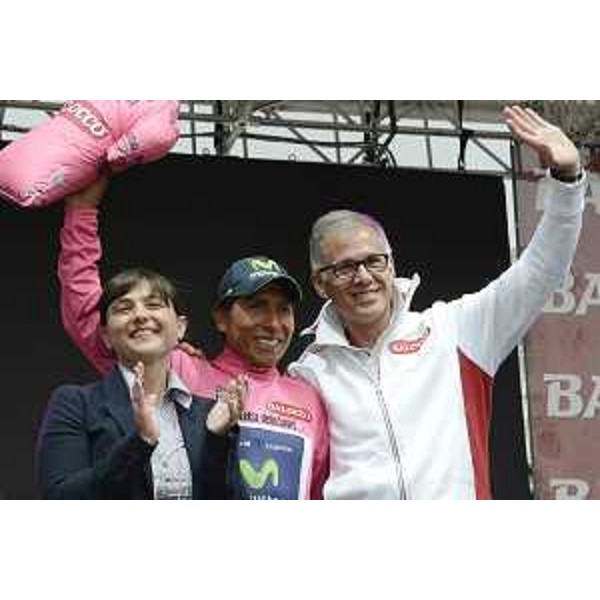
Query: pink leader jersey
[(283, 450)]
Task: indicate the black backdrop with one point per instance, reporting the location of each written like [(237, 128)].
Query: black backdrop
[(189, 217)]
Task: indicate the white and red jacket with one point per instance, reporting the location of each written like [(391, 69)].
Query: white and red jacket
[(283, 449), (409, 418)]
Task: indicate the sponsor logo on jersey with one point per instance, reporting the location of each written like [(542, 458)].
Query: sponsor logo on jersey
[(57, 178), (83, 114), (270, 465), (257, 478), (290, 411)]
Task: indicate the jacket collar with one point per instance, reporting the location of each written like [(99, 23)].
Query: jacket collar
[(176, 389), (191, 422), (115, 396), (329, 330)]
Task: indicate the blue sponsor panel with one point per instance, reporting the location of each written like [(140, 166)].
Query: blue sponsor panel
[(268, 465)]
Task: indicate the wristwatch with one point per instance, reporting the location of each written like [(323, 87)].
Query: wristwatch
[(560, 176)]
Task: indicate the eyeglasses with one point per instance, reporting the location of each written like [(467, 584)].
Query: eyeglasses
[(346, 271)]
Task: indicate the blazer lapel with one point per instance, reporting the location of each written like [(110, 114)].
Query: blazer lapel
[(192, 430), (117, 400)]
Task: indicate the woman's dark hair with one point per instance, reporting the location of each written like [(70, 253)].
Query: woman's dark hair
[(124, 281)]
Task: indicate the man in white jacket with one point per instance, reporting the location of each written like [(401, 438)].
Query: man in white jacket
[(408, 393)]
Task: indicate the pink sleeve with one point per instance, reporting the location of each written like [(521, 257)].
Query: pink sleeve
[(320, 471), (80, 284)]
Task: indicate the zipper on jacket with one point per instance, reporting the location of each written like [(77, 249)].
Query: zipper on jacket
[(393, 441), (402, 495)]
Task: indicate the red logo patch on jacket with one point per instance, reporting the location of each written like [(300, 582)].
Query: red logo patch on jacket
[(410, 345), (290, 411)]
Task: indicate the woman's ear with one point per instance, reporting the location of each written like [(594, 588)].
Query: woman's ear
[(182, 324), (317, 281)]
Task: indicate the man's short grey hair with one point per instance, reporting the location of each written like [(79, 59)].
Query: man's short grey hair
[(337, 220)]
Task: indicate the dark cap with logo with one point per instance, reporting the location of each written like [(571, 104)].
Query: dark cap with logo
[(249, 275)]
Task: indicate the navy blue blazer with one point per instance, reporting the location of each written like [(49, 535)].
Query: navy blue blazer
[(88, 447)]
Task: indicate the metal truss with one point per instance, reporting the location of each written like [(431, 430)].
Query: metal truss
[(467, 135), (349, 131)]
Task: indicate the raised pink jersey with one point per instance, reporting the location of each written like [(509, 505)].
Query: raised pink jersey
[(283, 450), (66, 153)]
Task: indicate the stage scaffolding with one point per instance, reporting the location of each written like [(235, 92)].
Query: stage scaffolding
[(449, 135), (379, 132)]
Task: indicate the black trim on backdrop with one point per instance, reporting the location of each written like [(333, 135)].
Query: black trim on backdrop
[(189, 217)]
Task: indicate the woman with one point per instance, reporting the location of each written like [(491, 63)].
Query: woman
[(138, 433)]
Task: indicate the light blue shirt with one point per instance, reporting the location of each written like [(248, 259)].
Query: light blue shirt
[(171, 473)]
